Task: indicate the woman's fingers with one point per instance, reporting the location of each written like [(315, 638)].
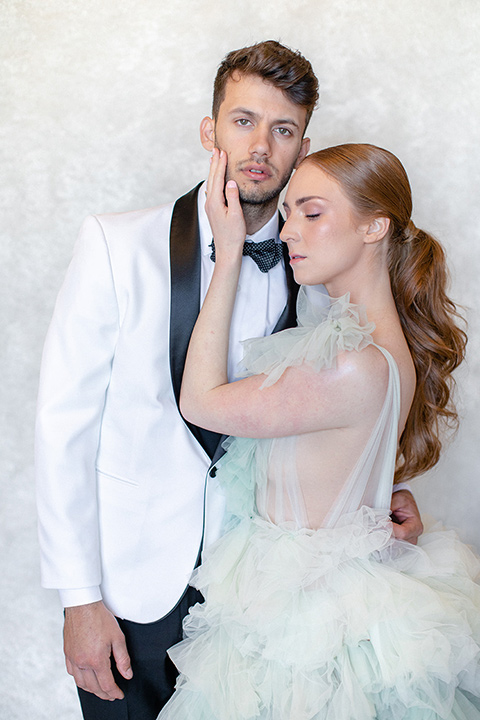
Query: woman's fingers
[(216, 178), (213, 164), (219, 176), (233, 199)]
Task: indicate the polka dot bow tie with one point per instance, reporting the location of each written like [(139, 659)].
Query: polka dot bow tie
[(266, 253)]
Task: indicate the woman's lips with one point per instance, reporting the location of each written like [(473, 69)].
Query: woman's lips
[(296, 258)]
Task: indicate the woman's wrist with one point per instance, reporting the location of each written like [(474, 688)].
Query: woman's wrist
[(229, 259)]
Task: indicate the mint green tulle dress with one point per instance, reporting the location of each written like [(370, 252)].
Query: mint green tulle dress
[(332, 620)]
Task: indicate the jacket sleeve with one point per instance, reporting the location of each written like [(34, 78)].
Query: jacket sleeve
[(76, 367)]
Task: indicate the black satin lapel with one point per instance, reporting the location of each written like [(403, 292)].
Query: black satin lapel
[(289, 316), (185, 264), (185, 281)]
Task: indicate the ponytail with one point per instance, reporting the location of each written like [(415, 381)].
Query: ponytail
[(419, 278)]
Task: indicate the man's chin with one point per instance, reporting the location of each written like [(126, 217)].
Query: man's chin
[(258, 196)]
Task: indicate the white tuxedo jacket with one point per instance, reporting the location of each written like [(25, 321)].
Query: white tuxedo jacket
[(121, 477)]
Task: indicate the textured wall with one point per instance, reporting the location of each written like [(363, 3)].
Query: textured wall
[(99, 111)]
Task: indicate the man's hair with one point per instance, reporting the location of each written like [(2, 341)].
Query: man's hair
[(283, 68)]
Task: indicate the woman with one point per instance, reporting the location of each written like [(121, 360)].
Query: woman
[(313, 609)]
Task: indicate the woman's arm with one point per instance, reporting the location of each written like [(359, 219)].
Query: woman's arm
[(206, 362), (301, 401)]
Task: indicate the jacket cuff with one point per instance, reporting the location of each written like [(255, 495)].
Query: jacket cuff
[(79, 596)]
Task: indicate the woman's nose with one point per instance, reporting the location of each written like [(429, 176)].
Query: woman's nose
[(288, 233)]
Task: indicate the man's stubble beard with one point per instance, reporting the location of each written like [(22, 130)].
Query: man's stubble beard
[(256, 196), (258, 205)]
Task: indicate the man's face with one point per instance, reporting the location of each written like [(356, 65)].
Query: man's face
[(261, 131)]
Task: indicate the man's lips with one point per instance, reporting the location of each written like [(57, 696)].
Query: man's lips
[(256, 172)]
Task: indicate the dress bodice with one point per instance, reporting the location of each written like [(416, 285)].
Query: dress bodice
[(298, 479)]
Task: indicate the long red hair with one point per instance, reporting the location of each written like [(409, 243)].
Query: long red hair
[(377, 185)]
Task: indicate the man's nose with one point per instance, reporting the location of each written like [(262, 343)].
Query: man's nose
[(260, 142)]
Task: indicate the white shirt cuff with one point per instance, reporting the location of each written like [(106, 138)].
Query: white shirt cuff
[(402, 486), (72, 597)]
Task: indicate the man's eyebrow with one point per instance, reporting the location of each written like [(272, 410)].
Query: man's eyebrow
[(254, 115)]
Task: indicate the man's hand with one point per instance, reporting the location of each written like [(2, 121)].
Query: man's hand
[(91, 635), (407, 524)]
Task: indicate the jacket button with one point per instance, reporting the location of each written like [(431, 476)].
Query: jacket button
[(213, 471)]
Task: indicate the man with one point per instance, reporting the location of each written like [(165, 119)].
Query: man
[(121, 477)]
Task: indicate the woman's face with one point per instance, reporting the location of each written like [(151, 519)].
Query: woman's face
[(326, 241)]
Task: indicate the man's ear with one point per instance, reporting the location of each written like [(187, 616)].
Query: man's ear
[(304, 148), (207, 133), (377, 229)]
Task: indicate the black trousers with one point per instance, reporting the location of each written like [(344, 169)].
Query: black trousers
[(154, 673)]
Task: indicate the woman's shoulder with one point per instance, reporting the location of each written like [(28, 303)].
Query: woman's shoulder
[(366, 373), (370, 361)]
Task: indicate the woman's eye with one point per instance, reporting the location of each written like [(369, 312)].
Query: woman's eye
[(313, 215)]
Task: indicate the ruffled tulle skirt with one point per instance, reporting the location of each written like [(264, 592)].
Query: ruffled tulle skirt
[(333, 624)]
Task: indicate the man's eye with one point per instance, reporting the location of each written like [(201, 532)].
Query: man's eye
[(284, 131), (243, 122)]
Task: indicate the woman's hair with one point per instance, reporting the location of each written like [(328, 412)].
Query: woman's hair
[(278, 65), (377, 185)]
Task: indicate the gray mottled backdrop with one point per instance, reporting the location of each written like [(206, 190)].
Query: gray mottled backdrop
[(100, 103)]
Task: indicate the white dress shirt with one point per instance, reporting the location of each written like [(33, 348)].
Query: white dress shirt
[(261, 297)]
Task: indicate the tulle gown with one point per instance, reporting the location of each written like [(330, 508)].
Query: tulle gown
[(330, 618)]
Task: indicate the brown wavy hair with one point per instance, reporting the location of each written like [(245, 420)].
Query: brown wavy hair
[(275, 63), (377, 185)]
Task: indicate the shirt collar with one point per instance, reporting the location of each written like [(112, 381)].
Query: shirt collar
[(269, 230)]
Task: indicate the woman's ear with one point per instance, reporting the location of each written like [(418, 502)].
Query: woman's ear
[(377, 229), (207, 133)]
